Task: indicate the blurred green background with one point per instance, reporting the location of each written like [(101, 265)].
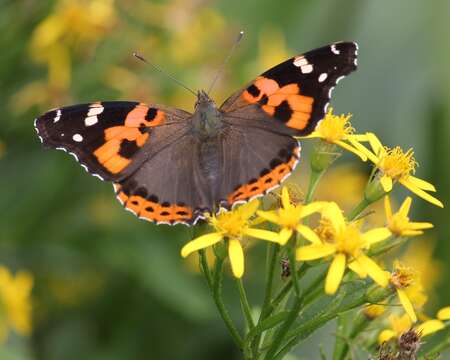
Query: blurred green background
[(110, 286)]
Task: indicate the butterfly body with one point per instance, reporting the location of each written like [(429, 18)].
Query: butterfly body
[(170, 166)]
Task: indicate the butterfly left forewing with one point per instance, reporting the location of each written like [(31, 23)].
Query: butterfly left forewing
[(106, 137), (295, 93)]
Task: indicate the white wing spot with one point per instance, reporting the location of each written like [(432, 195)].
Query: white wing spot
[(323, 77), (58, 116), (306, 69), (96, 110), (91, 120), (300, 61), (77, 138), (334, 50), (339, 79)]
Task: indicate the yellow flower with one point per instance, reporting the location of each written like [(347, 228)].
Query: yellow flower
[(232, 226), (338, 130), (433, 325), (15, 303), (399, 224), (289, 217), (396, 165), (405, 280), (398, 326), (444, 313), (347, 245), (401, 324), (374, 310)]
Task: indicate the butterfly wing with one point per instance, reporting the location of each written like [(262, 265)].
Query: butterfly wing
[(295, 93), (254, 162), (289, 99), (169, 187), (108, 138)]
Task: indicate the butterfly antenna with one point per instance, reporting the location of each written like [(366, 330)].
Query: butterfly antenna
[(137, 56), (222, 67)]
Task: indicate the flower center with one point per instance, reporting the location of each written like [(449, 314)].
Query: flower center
[(397, 164), (290, 218), (349, 241), (231, 224), (398, 223), (333, 128), (403, 276)]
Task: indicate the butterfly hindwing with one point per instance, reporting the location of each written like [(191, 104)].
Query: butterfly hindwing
[(106, 137), (265, 160), (296, 92)]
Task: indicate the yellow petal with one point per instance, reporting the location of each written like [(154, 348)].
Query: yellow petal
[(200, 243), (421, 184), (351, 149), (315, 206), (386, 335), (378, 275), (407, 305), (269, 216), (420, 193), (386, 183), (375, 235), (262, 234), (406, 205), (285, 201), (387, 207), (358, 269), (247, 210), (375, 144), (313, 252), (284, 235), (236, 255), (429, 327), (333, 213), (444, 313), (308, 234), (420, 225), (335, 274)]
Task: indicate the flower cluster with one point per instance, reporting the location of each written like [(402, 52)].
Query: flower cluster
[(15, 304), (321, 234)]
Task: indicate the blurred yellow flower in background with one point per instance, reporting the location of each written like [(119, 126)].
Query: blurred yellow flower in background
[(233, 226), (15, 302), (73, 27)]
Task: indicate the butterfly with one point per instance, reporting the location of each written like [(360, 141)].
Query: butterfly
[(171, 166)]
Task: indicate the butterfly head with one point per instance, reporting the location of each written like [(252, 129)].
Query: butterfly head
[(207, 118)]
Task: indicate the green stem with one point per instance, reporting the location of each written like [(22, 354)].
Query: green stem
[(205, 268), (313, 182), (246, 309), (293, 265), (340, 344), (358, 325), (358, 209), (281, 333), (271, 261), (217, 295)]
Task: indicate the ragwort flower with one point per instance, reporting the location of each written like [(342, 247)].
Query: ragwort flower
[(398, 223), (347, 244), (337, 130), (232, 226), (289, 217), (15, 303), (401, 279), (395, 165)]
